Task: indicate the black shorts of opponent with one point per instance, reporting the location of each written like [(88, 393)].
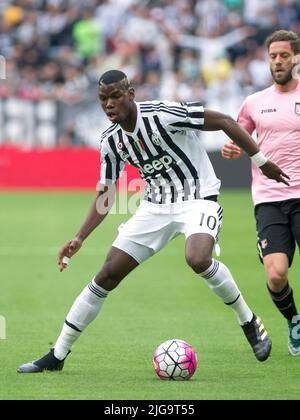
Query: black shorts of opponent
[(278, 227)]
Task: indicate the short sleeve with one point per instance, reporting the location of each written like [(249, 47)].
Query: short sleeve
[(244, 118), (111, 165), (183, 116)]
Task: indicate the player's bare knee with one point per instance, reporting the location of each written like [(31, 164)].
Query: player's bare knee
[(199, 263), (277, 279), (107, 278)]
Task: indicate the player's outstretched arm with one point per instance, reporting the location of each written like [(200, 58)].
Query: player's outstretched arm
[(97, 213), (214, 121)]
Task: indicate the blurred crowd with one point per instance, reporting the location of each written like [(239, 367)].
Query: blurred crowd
[(171, 49)]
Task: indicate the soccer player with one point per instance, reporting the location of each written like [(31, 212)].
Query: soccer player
[(160, 139), (275, 115)]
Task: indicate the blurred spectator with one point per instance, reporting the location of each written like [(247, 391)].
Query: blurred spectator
[(87, 36), (28, 87), (286, 13), (189, 64), (259, 69), (13, 15), (212, 15)]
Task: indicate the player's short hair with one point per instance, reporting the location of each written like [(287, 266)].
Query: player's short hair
[(114, 76), (283, 35)]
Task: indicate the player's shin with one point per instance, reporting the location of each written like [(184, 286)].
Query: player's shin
[(84, 310), (284, 301), (221, 282)]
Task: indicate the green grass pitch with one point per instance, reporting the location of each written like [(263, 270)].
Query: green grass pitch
[(162, 299)]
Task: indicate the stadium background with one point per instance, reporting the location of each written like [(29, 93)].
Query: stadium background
[(50, 125), (185, 50)]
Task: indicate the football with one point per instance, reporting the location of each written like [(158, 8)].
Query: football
[(175, 360)]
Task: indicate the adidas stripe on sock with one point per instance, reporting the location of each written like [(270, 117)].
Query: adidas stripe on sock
[(221, 282), (84, 310)]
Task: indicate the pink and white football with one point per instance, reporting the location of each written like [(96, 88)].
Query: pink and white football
[(175, 360)]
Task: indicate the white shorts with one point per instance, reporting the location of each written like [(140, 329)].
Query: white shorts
[(154, 225)]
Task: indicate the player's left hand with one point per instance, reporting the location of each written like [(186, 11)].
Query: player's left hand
[(272, 171), (67, 252)]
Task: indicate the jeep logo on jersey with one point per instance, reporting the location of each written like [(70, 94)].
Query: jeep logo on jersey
[(297, 108), (156, 166)]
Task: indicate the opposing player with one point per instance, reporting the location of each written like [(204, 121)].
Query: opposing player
[(181, 198), (275, 115)]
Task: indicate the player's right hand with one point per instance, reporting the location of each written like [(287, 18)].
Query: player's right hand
[(68, 250), (231, 151)]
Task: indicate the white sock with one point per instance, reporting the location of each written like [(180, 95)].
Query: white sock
[(220, 280), (84, 310)]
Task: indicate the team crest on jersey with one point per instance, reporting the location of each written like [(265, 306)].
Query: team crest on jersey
[(297, 108), (120, 146), (155, 138)]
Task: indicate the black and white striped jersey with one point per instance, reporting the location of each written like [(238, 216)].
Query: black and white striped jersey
[(166, 148)]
